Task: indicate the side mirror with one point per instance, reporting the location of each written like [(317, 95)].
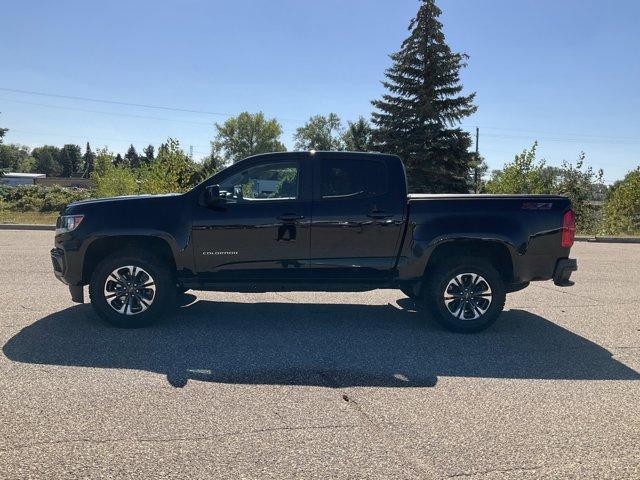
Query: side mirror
[(212, 195)]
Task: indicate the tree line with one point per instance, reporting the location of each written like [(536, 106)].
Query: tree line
[(239, 137), (65, 161)]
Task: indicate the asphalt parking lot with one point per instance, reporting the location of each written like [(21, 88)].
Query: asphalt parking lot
[(305, 385)]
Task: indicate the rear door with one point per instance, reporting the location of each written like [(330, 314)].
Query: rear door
[(357, 216)]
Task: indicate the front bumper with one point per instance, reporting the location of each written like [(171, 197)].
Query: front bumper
[(59, 263), (59, 259), (562, 273)]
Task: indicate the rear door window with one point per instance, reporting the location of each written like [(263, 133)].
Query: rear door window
[(344, 178)]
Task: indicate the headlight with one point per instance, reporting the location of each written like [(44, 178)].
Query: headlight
[(68, 223)]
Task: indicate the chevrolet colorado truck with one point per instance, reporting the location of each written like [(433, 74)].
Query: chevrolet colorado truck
[(322, 221)]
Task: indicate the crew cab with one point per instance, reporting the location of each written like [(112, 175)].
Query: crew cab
[(322, 221)]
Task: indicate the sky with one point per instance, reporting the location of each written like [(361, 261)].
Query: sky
[(563, 72)]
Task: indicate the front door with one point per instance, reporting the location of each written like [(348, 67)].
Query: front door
[(261, 230)]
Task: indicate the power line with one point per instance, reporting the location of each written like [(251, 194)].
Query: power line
[(569, 140), (146, 117), (209, 124), (556, 133), (116, 102), (129, 104)]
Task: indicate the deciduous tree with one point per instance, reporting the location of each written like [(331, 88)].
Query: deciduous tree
[(525, 174), (358, 136), (103, 162), (16, 158), (248, 134), (70, 159), (580, 183), (211, 165), (171, 171), (622, 210), (47, 160), (320, 133)]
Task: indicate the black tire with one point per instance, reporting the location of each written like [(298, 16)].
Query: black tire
[(467, 300), (144, 306)]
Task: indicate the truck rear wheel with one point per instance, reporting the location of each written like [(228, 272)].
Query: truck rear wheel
[(132, 289), (466, 295)]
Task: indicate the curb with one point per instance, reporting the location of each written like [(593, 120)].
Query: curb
[(609, 239), (22, 226)]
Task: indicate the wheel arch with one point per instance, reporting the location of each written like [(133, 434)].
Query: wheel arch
[(494, 251), (103, 246)]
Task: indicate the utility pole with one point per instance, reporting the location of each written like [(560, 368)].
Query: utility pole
[(476, 185)]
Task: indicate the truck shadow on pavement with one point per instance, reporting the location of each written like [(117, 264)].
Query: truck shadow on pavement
[(331, 345)]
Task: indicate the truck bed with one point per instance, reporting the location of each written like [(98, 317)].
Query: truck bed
[(530, 226)]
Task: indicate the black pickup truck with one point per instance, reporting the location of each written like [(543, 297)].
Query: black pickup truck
[(324, 221)]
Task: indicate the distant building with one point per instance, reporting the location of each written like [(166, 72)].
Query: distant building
[(15, 179), (21, 178), (72, 182)]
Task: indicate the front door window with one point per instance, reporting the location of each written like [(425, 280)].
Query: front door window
[(275, 181)]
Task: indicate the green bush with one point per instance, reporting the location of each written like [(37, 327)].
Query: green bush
[(525, 174), (172, 171), (622, 210), (40, 199), (115, 181), (528, 175)]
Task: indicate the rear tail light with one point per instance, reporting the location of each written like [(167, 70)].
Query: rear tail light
[(568, 229)]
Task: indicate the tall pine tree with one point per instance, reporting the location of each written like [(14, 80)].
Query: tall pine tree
[(149, 154), (419, 116), (120, 162), (89, 161), (132, 157)]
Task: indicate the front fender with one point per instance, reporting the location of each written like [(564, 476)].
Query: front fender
[(77, 249)]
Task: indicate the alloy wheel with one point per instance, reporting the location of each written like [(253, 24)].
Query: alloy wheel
[(467, 296), (129, 290)]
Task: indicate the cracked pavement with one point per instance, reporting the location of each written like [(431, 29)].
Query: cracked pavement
[(321, 385)]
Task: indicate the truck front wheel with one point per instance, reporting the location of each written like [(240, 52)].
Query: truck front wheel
[(132, 289), (465, 295)]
